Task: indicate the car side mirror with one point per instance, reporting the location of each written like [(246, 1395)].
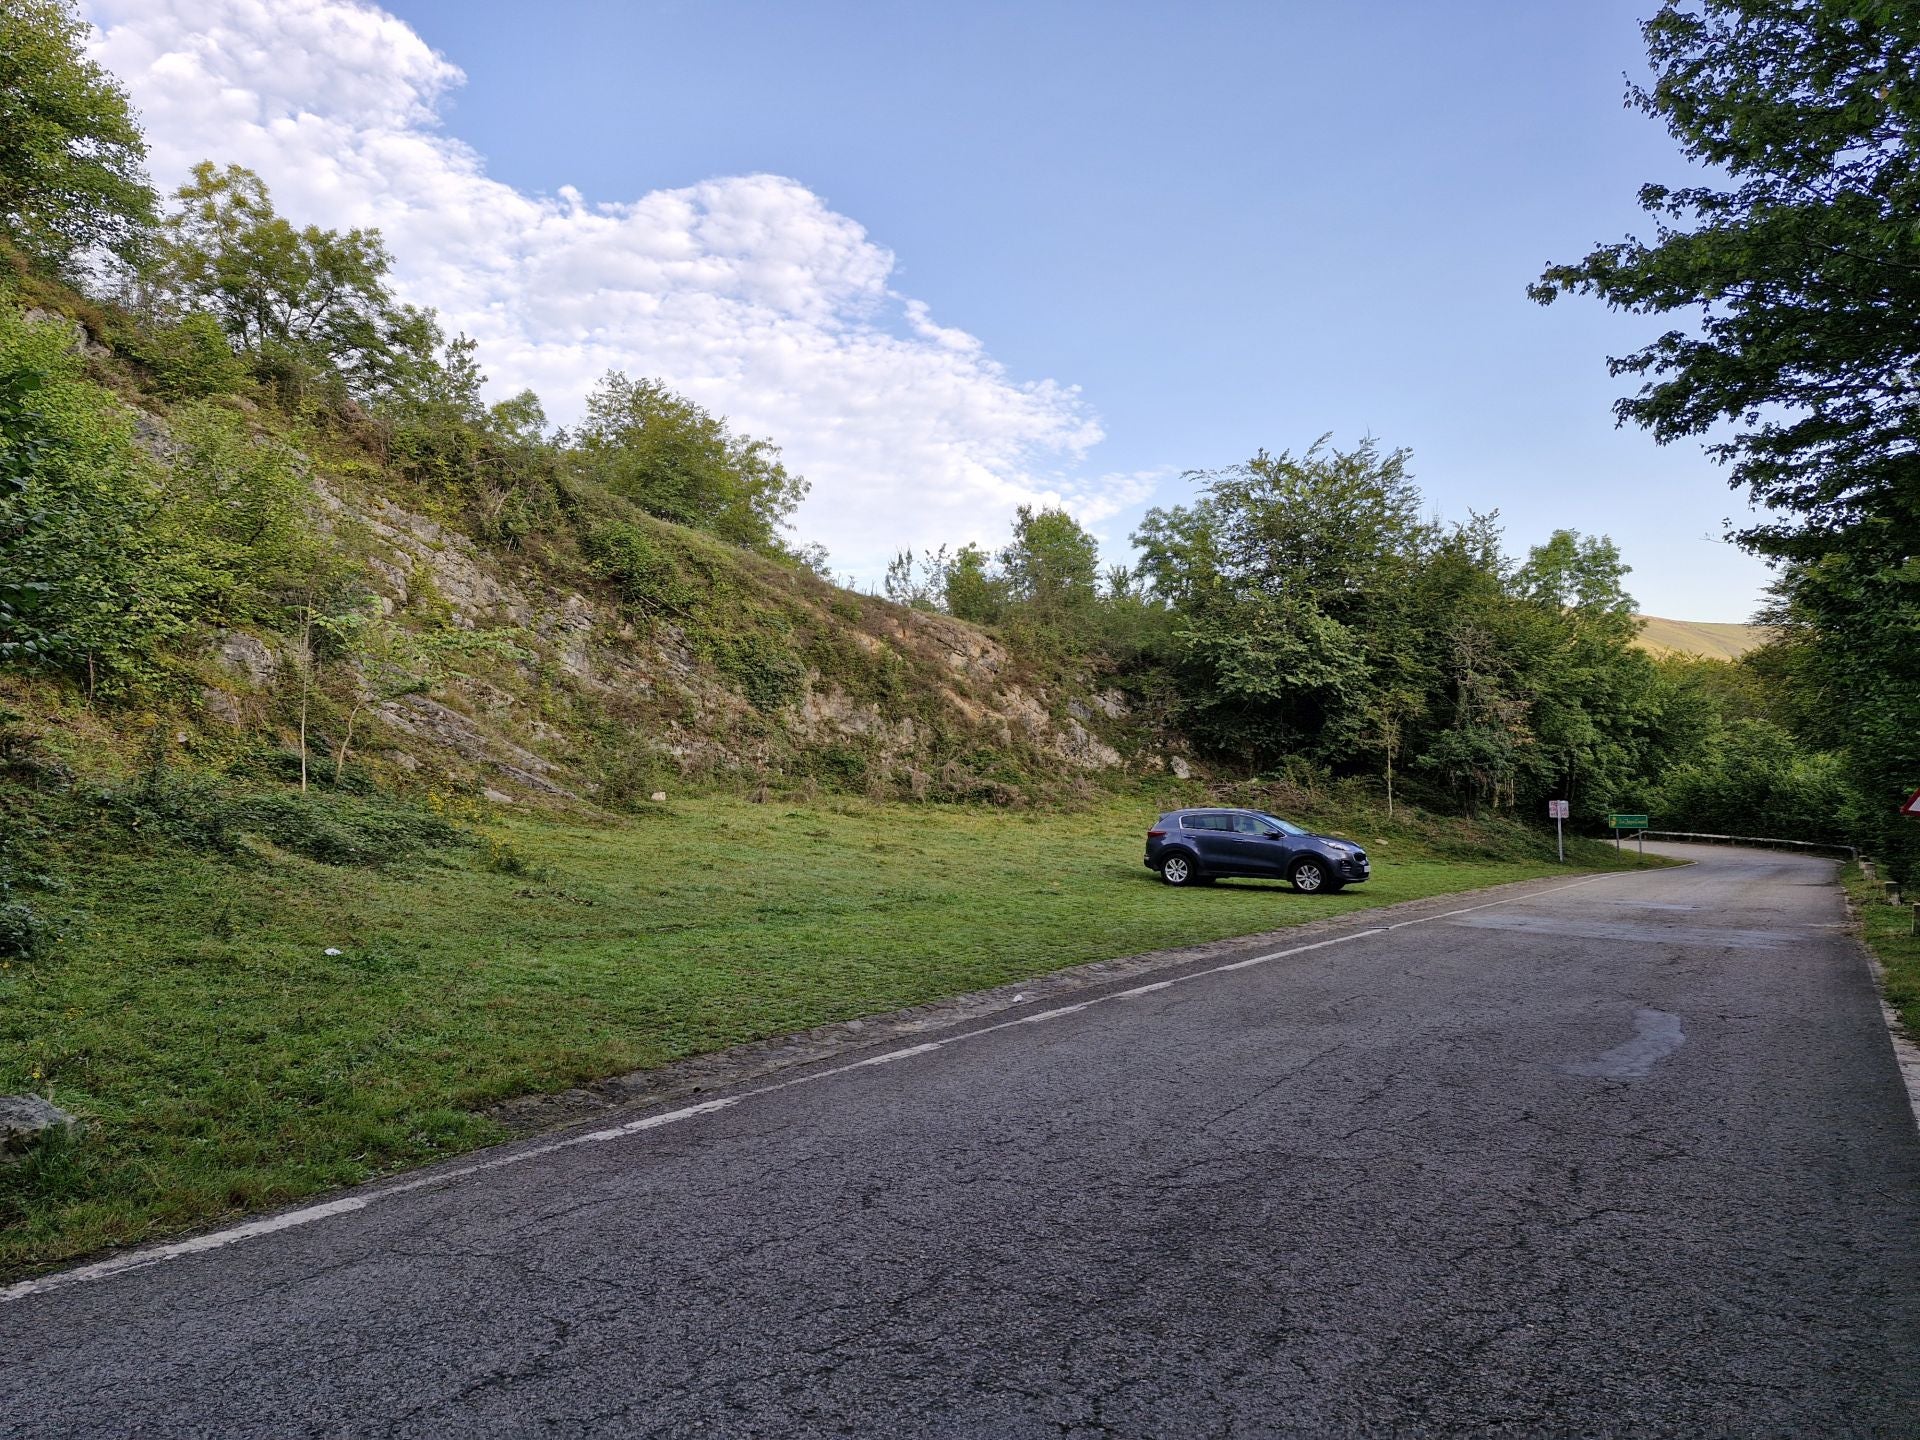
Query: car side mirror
[(1275, 835)]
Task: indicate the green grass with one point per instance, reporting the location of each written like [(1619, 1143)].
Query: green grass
[(223, 1061), (1888, 931)]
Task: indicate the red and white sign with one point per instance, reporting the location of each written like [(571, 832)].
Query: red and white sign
[(1557, 810), (1911, 806)]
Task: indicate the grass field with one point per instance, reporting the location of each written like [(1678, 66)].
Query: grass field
[(224, 1060), (1712, 640), (1888, 931)]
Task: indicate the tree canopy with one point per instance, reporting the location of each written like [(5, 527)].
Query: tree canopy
[(71, 155), (679, 461), (1799, 274), (1796, 267)]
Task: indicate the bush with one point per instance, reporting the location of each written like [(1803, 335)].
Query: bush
[(640, 565), (200, 812), (24, 932), (190, 360), (766, 670)]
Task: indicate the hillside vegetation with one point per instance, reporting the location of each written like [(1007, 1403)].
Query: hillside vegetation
[(1702, 639)]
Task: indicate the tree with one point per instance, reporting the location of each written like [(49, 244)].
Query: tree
[(307, 295), (1798, 268), (676, 460), (970, 588), (918, 587), (1291, 577), (1051, 564), (71, 156), (1802, 276)]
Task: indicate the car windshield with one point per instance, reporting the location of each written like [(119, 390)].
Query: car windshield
[(1285, 827)]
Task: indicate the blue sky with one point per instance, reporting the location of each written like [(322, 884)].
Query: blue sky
[(1229, 226)]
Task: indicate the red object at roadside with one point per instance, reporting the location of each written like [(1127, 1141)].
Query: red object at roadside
[(1910, 807)]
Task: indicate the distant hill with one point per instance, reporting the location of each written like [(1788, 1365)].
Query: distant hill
[(1711, 639)]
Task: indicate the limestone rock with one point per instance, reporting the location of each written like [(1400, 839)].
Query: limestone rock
[(248, 656), (221, 706), (28, 1121)]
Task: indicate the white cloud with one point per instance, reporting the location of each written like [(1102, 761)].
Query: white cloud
[(748, 293)]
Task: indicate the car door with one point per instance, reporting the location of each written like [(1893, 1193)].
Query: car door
[(1210, 836), (1254, 853)]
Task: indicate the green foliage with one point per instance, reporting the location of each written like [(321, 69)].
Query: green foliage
[(190, 358), (89, 581), (311, 305), (71, 156), (1312, 613), (239, 502), (1756, 779), (646, 572), (1848, 669), (762, 666), (198, 811), (972, 592), (1800, 269), (1797, 268), (674, 459)]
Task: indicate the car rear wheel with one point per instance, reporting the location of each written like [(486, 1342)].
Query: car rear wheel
[(1179, 870), (1310, 877)]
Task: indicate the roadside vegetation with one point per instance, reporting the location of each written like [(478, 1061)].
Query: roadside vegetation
[(243, 1026), (1889, 933)]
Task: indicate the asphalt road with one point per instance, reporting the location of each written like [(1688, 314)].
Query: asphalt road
[(1623, 1157)]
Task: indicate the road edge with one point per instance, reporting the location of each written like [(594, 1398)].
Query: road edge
[(1026, 1005), (527, 1116)]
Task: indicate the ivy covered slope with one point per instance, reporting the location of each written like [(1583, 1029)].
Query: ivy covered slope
[(439, 603)]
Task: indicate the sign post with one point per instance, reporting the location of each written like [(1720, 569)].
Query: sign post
[(1629, 822), (1558, 810)]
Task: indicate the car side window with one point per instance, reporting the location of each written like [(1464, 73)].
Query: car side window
[(1203, 822), (1247, 825)]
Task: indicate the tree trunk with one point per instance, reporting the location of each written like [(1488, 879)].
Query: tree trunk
[(306, 689), (340, 760)]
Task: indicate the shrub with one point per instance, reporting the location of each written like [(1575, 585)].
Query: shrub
[(190, 360), (765, 669), (25, 934), (640, 565), (201, 812)]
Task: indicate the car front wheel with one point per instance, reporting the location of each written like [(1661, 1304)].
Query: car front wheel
[(1179, 870), (1310, 877)]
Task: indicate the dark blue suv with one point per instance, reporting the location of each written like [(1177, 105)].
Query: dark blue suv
[(1193, 847)]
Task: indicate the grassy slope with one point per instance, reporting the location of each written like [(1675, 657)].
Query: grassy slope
[(225, 1062), (1888, 931), (1712, 640)]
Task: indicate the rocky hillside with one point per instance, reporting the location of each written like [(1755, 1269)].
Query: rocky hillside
[(761, 671), (597, 655)]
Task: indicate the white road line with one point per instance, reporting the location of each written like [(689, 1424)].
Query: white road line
[(292, 1219), (893, 1055)]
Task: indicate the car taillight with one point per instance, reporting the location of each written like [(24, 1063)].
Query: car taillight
[(1156, 834)]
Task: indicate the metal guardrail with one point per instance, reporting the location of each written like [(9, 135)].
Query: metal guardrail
[(1852, 852)]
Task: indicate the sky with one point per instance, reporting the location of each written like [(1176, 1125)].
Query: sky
[(958, 258)]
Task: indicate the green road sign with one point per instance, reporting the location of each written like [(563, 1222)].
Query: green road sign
[(1626, 822)]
